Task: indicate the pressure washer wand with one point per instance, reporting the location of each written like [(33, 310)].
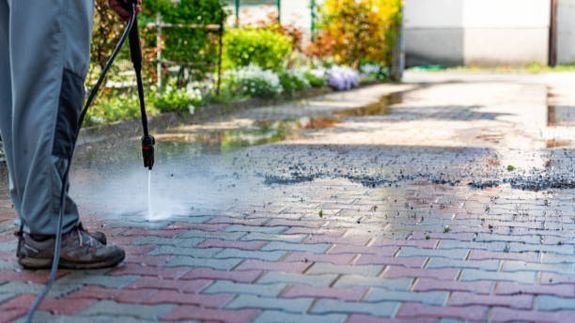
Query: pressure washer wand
[(148, 141)]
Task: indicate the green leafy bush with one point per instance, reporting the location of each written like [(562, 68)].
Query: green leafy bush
[(115, 108), (264, 48), (175, 99), (253, 81), (374, 71), (294, 81), (316, 77)]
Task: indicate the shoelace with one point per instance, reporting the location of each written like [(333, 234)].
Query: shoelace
[(90, 241)]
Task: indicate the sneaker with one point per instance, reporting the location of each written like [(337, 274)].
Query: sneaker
[(80, 250), (100, 236)]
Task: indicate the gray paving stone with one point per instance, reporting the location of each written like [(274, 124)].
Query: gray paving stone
[(251, 254), (193, 218), (179, 242), (18, 288), (223, 235), (422, 252), (9, 265), (80, 278), (451, 321), (520, 277), (312, 248), (221, 264), (8, 246), (283, 317), (327, 268), (253, 228), (456, 244), (139, 222), (274, 237), (111, 308), (41, 316), (298, 305), (513, 266), (223, 287), (430, 298), (327, 306), (489, 237), (553, 303), (289, 278), (492, 265), (520, 247), (401, 284), (552, 258), (185, 251)]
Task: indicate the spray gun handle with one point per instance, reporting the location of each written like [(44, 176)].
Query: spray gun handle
[(128, 4), (135, 47)]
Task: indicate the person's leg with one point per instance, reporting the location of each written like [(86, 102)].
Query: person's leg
[(49, 48), (6, 98)]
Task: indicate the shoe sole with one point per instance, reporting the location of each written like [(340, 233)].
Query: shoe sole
[(36, 263)]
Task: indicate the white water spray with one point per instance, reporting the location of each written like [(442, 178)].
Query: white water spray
[(150, 210)]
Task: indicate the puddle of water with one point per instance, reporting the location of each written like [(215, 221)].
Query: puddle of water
[(557, 143), (558, 116), (272, 131), (381, 107)]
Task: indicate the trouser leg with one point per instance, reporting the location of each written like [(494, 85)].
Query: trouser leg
[(6, 98), (49, 50)]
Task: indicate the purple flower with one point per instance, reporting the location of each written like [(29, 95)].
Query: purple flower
[(342, 78)]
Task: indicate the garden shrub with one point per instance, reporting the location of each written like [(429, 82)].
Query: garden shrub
[(316, 77), (253, 81), (117, 107), (354, 30), (174, 99), (294, 81), (374, 71), (261, 47)]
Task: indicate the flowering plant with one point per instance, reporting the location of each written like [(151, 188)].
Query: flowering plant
[(341, 78), (293, 81), (373, 71), (254, 81), (174, 99)]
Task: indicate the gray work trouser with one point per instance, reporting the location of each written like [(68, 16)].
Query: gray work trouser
[(44, 57)]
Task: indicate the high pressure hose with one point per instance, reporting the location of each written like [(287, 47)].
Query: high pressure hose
[(148, 141)]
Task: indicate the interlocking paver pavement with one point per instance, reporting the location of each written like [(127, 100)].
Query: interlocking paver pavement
[(402, 213)]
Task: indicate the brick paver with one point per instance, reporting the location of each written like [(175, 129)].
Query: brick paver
[(374, 220)]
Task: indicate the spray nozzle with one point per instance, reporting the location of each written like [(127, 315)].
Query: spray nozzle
[(148, 143)]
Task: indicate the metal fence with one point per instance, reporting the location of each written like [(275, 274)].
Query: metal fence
[(218, 29)]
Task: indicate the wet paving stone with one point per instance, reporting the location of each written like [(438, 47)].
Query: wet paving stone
[(445, 201)]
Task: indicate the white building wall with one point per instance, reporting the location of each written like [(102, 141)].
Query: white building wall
[(433, 14), (477, 32), (433, 32), (566, 31)]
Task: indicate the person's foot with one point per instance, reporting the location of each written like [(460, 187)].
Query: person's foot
[(80, 250), (98, 235)]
